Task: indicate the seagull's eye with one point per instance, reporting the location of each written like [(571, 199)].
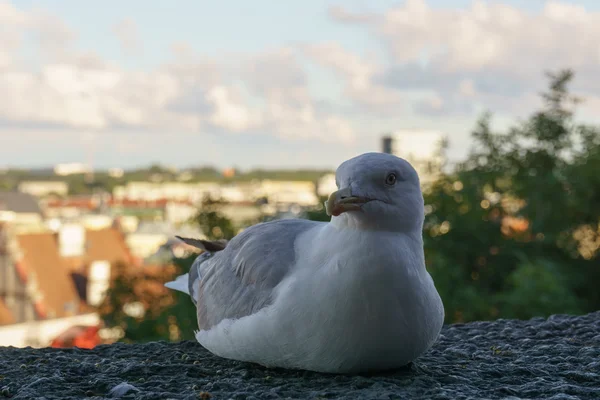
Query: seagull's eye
[(390, 179)]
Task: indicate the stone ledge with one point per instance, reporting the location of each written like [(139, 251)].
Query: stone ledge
[(554, 358)]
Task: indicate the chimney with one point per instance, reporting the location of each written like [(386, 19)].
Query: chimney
[(98, 282), (71, 240), (386, 142)]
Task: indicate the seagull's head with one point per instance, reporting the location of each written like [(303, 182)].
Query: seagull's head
[(377, 191)]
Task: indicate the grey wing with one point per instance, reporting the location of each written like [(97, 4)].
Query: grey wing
[(239, 280)]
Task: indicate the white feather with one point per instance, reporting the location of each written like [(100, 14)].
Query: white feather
[(180, 283)]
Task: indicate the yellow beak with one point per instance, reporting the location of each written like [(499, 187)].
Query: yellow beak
[(342, 201)]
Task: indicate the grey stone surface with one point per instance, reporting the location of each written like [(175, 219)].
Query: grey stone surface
[(554, 358)]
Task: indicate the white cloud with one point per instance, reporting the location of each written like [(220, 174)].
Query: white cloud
[(262, 94), (230, 113), (430, 64), (277, 78), (358, 74), (489, 53)]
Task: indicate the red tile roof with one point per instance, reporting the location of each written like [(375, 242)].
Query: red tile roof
[(107, 244), (6, 316), (41, 261), (129, 203), (81, 203)]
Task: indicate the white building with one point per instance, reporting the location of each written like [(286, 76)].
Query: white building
[(422, 148), (71, 169), (179, 213), (44, 188), (21, 210), (150, 236), (116, 172), (234, 193), (149, 191), (302, 193)]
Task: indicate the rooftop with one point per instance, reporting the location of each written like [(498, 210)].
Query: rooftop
[(5, 315), (19, 203), (106, 244), (42, 263)]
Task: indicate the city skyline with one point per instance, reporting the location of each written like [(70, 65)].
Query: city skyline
[(291, 85)]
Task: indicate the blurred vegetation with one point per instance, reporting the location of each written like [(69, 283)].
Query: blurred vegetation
[(212, 222), (512, 232), (167, 314)]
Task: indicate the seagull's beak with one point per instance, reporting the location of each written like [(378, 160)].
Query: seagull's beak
[(342, 200)]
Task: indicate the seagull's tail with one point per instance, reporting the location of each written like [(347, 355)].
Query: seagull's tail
[(188, 283), (180, 283)]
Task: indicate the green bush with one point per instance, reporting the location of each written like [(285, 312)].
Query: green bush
[(514, 230)]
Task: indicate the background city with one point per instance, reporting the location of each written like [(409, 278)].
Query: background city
[(124, 126)]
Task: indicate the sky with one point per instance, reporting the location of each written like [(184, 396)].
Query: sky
[(275, 84)]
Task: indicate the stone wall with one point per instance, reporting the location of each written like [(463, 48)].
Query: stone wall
[(554, 358)]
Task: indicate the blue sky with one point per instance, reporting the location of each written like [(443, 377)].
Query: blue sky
[(273, 84)]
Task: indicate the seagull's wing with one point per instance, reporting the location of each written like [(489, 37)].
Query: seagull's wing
[(239, 280)]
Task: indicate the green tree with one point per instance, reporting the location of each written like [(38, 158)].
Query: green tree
[(212, 222), (514, 230), (168, 314)]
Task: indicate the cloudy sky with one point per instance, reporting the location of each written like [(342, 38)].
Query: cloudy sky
[(274, 84)]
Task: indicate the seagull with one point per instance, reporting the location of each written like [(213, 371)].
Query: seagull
[(348, 296)]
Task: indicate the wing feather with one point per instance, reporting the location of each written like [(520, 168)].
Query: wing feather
[(239, 280)]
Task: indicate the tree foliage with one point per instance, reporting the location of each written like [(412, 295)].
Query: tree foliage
[(212, 222), (514, 230), (142, 309)]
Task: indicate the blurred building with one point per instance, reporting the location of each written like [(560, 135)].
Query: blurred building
[(236, 192), (116, 172), (422, 148), (34, 282), (44, 188), (326, 185), (6, 316), (151, 191), (70, 207), (302, 193), (142, 210), (149, 237), (179, 212), (51, 280), (21, 210), (71, 169)]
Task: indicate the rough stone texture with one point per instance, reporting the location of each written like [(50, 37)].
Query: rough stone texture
[(554, 358)]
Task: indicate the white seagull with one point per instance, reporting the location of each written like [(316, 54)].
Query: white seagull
[(346, 296)]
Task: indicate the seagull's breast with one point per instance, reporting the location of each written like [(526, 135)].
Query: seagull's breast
[(364, 304)]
